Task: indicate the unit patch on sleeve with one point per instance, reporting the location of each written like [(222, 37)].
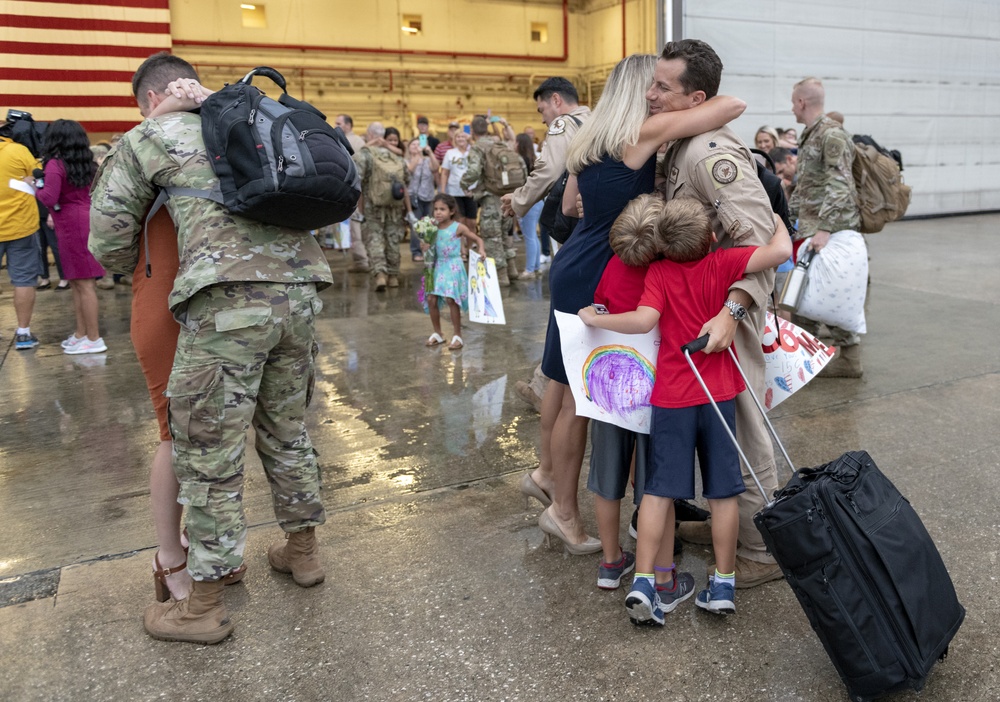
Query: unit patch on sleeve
[(558, 126), (724, 171)]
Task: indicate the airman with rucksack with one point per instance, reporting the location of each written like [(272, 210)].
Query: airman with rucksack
[(494, 170), (384, 177)]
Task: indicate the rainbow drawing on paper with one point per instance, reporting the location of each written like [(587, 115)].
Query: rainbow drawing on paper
[(618, 379)]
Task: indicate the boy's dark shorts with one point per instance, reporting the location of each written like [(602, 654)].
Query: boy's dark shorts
[(466, 207), (611, 449), (674, 437)]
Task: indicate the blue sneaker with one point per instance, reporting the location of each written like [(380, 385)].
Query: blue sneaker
[(643, 605), (717, 598), (609, 575), (683, 588), (25, 341)]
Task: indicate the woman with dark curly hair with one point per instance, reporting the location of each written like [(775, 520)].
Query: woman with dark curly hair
[(69, 170)]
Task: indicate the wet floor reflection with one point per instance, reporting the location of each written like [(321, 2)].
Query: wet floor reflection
[(390, 417)]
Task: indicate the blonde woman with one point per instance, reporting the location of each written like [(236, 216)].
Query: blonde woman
[(611, 161), (766, 139)]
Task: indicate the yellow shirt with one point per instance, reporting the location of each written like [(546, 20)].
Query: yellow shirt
[(18, 210)]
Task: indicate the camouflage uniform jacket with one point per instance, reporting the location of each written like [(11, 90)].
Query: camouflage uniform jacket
[(824, 197), (214, 246), (474, 174)]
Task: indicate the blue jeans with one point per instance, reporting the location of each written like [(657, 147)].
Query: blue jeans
[(529, 229)]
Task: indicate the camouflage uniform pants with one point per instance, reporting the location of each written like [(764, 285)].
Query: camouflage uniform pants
[(491, 230), (382, 231), (244, 357)]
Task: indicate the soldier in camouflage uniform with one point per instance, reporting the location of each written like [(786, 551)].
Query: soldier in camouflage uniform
[(382, 224), (246, 297), (825, 201), (490, 212)]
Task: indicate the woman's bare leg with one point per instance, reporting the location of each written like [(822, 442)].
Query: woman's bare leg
[(163, 489)]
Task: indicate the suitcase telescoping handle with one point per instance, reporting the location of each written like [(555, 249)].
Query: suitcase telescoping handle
[(698, 345)]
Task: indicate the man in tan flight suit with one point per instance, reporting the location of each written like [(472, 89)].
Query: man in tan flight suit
[(718, 169), (558, 104)]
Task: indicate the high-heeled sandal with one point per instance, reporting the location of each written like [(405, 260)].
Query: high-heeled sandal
[(160, 575), (548, 525), (532, 489)]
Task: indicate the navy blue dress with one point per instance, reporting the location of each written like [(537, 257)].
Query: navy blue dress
[(606, 187)]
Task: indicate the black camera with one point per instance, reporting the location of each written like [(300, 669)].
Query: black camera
[(22, 128), (14, 115)]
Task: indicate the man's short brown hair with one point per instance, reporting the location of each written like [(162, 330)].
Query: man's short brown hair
[(156, 72), (633, 235), (684, 231), (703, 67), (480, 127)]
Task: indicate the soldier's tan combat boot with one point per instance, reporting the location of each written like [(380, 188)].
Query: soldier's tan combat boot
[(201, 618), (297, 555), (502, 277), (393, 281), (512, 273), (847, 363), (380, 282)]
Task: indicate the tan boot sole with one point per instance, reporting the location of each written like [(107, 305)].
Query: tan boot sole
[(210, 637)]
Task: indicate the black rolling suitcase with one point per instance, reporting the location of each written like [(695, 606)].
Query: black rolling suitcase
[(862, 565)]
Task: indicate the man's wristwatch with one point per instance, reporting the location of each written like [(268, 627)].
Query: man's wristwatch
[(736, 309)]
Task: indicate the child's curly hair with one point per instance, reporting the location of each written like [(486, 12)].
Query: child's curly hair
[(683, 231), (633, 235)]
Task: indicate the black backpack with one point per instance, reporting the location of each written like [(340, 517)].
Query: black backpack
[(552, 219), (278, 162)]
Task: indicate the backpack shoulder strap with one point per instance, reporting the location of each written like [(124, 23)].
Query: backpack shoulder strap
[(215, 195)]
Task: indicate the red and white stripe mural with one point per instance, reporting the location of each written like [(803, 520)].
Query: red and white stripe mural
[(75, 60)]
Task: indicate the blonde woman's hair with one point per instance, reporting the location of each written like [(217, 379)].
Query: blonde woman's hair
[(684, 231), (618, 116), (634, 234)]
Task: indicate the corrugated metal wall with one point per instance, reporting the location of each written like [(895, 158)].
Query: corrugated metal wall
[(921, 76)]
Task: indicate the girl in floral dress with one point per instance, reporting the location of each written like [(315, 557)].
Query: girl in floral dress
[(451, 285)]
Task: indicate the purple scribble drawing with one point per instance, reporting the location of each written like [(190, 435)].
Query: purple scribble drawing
[(618, 379)]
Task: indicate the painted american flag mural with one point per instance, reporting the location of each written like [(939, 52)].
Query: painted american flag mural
[(75, 60)]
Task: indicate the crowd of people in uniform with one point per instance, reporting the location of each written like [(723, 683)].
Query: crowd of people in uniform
[(679, 229)]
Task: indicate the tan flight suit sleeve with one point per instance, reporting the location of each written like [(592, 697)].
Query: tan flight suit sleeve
[(548, 167), (726, 178)]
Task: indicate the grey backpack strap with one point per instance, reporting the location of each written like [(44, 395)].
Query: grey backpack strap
[(215, 195)]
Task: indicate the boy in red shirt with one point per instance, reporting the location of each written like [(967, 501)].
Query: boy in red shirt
[(682, 290), (612, 447)]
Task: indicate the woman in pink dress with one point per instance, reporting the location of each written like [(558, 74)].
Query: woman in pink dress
[(69, 170)]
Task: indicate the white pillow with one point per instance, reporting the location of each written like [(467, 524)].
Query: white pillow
[(838, 282)]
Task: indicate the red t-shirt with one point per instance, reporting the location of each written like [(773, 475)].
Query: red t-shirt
[(687, 295), (621, 286)]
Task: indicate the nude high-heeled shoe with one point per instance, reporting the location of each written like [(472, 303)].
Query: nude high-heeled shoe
[(532, 489), (548, 525)]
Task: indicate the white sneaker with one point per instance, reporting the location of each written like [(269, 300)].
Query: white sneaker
[(544, 260), (87, 346), (72, 340)]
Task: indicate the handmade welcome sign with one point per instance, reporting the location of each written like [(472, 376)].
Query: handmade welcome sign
[(485, 304), (792, 358), (611, 375)]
